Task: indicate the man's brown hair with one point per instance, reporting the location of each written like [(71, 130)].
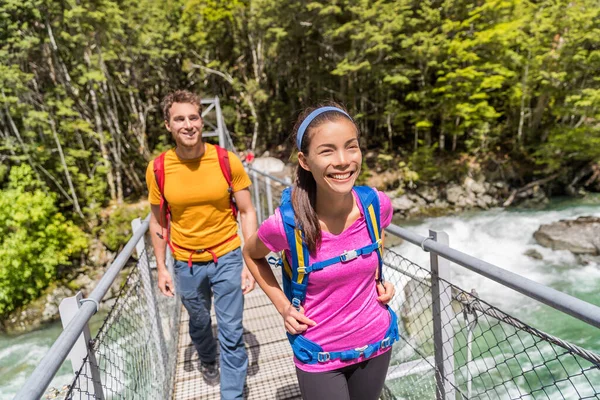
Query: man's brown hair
[(179, 96)]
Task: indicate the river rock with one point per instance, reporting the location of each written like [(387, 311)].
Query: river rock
[(417, 200), (454, 193), (533, 253), (37, 313), (430, 194), (473, 186), (402, 203), (580, 236)]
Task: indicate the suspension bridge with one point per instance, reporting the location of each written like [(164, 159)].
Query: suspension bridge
[(455, 344)]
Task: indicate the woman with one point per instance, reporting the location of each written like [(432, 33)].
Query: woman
[(335, 311)]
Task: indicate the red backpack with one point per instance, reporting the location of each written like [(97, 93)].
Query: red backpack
[(159, 174)]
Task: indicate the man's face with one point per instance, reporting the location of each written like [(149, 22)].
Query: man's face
[(185, 124)]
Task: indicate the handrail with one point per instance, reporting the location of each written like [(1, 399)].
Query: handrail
[(570, 305), (38, 381)]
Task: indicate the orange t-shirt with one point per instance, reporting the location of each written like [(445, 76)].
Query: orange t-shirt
[(196, 191)]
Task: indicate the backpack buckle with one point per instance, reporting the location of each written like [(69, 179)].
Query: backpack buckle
[(274, 261), (296, 303), (348, 255), (323, 356), (385, 343), (302, 270), (361, 350), (199, 251)]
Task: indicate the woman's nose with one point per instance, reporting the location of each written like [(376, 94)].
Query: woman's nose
[(341, 158)]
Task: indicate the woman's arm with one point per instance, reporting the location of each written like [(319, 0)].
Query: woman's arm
[(255, 252)]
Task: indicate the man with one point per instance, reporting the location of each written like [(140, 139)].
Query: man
[(204, 240)]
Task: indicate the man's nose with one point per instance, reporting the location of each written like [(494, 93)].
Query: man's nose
[(187, 123)]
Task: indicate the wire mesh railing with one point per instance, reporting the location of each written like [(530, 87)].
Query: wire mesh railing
[(476, 350), (134, 353), (135, 350), (495, 356)]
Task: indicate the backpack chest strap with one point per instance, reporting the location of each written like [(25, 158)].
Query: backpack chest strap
[(343, 258)]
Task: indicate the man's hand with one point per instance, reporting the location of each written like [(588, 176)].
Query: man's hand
[(248, 281), (386, 292), (295, 321), (165, 284)]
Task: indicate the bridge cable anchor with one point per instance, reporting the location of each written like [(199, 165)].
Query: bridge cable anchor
[(93, 301), (423, 242)]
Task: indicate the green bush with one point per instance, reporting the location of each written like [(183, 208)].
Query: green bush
[(116, 230), (34, 239)]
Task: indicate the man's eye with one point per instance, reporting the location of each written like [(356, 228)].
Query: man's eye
[(195, 118)]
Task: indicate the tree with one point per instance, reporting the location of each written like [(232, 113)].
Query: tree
[(35, 239)]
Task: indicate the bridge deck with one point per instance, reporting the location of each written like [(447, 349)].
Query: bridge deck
[(271, 373)]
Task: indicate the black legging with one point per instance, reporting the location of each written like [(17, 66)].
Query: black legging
[(362, 381)]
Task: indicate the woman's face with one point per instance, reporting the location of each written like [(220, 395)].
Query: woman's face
[(334, 157)]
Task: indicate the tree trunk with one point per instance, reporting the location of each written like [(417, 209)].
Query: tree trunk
[(63, 162), (110, 176), (523, 92)]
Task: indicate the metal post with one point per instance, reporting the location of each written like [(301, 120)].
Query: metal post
[(269, 195), (155, 325), (220, 123), (141, 244), (90, 379), (443, 333), (257, 197)]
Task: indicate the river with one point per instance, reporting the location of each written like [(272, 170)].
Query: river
[(498, 236)]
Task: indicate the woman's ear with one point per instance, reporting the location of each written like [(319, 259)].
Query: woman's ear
[(302, 161)]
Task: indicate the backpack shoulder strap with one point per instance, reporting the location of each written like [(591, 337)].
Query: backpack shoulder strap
[(369, 199), (298, 251), (159, 176), (165, 211), (223, 156), (159, 173)]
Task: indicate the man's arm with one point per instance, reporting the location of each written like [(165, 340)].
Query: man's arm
[(159, 243), (249, 224)]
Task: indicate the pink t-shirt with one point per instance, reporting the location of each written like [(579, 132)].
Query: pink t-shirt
[(341, 298)]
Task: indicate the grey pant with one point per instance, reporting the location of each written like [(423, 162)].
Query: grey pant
[(194, 286)]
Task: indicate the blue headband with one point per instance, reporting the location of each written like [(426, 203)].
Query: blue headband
[(310, 118)]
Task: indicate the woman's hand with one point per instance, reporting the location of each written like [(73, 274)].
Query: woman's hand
[(386, 292), (295, 321)]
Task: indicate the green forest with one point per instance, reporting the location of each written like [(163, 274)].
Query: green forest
[(438, 88)]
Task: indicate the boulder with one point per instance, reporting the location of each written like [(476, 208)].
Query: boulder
[(418, 200), (473, 186), (580, 236), (268, 165), (402, 203), (430, 194), (454, 193)]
